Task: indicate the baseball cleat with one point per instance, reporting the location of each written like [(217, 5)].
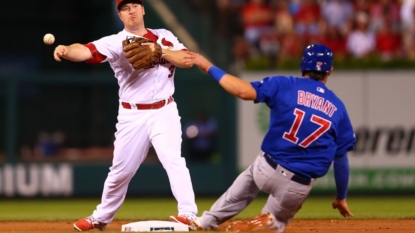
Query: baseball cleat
[(88, 223), (263, 222), (189, 220)]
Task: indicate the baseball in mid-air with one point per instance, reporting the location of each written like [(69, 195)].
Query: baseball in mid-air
[(49, 39)]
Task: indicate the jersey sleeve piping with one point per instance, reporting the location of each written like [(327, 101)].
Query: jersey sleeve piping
[(97, 57)]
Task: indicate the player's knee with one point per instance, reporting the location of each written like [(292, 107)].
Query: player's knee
[(171, 163), (119, 177)]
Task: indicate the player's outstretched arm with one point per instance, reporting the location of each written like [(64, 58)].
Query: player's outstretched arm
[(74, 52), (178, 58), (234, 85), (341, 178)]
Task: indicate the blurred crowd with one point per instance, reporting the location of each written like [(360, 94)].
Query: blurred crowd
[(280, 29)]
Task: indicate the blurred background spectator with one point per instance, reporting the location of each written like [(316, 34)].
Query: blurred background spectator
[(408, 25), (333, 38), (276, 31), (228, 22), (361, 41), (201, 133), (306, 21), (338, 14), (257, 20), (388, 42), (49, 144)]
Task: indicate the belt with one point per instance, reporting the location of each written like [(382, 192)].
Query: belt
[(155, 105), (296, 178)]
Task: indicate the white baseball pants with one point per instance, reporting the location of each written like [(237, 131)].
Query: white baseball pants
[(136, 131)]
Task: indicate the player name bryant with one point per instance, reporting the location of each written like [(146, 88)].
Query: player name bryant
[(316, 102), (392, 140)]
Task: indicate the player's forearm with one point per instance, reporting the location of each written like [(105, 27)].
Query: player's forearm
[(341, 175), (238, 87), (177, 58), (235, 86), (78, 53)]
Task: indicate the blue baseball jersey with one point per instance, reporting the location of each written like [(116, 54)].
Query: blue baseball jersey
[(309, 124)]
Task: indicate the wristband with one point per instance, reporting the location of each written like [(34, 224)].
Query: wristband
[(216, 73)]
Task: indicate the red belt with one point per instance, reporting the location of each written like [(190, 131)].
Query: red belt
[(155, 105)]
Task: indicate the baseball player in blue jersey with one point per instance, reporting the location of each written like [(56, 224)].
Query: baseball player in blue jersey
[(309, 130)]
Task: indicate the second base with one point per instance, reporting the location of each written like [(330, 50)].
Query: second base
[(154, 226)]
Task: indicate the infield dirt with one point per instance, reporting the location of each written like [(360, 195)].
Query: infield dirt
[(296, 226)]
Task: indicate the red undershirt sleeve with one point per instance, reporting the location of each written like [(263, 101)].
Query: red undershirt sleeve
[(97, 57)]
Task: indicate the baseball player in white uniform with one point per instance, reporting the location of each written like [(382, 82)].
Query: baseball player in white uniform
[(147, 114)]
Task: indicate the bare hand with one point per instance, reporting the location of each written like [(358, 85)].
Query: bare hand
[(59, 52), (199, 60), (341, 205)]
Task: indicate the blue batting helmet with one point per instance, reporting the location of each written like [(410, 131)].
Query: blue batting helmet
[(317, 57)]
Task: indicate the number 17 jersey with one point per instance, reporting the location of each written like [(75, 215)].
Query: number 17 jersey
[(309, 124)]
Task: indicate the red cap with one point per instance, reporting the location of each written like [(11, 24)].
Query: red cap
[(121, 3)]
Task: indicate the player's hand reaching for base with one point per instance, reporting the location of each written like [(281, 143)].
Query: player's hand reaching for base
[(199, 60), (341, 205), (59, 52)]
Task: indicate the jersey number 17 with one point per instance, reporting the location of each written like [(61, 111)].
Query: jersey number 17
[(299, 117)]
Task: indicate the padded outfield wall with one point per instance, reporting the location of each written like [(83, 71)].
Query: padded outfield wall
[(381, 105)]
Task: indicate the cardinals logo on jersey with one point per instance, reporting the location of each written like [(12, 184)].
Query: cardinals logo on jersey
[(167, 43)]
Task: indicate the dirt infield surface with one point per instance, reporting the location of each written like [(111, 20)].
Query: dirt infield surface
[(296, 226)]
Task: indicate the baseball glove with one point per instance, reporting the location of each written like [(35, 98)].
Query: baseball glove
[(141, 56), (263, 222)]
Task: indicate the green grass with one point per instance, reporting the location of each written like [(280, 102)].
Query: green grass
[(136, 209), (160, 208)]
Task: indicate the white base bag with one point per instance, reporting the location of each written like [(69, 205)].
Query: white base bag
[(154, 226)]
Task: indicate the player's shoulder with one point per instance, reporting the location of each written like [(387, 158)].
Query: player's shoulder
[(280, 81), (281, 78), (111, 45), (161, 31)]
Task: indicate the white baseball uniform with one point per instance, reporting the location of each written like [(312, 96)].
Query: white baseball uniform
[(138, 129)]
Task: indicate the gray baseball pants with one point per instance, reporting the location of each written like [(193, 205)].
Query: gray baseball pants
[(285, 199)]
